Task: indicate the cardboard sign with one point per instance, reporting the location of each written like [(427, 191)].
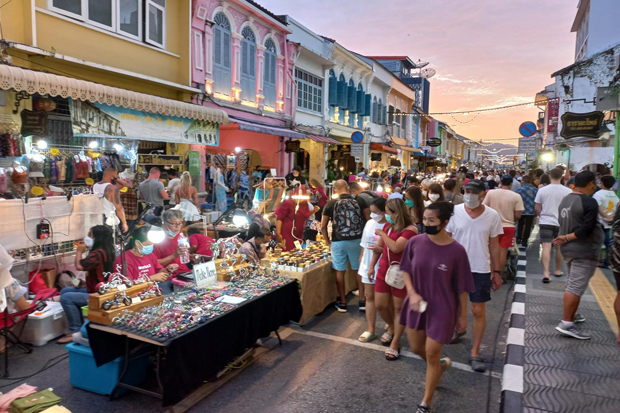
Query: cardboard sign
[(205, 274)]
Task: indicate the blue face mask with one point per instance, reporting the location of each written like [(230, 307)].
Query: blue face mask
[(147, 249), (409, 203), (389, 219)]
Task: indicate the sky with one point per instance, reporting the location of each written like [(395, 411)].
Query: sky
[(486, 53)]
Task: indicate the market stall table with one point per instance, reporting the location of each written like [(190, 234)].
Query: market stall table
[(186, 361)]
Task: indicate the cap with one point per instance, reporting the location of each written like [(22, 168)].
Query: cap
[(476, 185)]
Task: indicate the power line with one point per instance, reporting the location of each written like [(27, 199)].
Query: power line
[(467, 112)]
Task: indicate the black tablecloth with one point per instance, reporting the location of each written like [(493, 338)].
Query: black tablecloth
[(199, 354)]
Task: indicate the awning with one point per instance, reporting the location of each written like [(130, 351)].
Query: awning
[(322, 139), (399, 141), (30, 81), (410, 149), (269, 130), (383, 148)]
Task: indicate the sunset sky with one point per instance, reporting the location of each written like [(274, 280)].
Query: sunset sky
[(487, 53)]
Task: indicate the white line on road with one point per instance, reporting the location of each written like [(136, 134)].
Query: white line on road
[(519, 288), (513, 378), (378, 347)]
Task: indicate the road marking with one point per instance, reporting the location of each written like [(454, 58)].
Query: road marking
[(513, 378), (378, 347), (519, 288), (518, 308), (522, 262), (520, 273), (605, 294), (516, 336)]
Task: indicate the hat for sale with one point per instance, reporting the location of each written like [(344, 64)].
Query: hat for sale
[(476, 185)]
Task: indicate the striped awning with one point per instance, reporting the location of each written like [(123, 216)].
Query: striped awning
[(31, 82), (383, 148), (268, 130), (322, 139)]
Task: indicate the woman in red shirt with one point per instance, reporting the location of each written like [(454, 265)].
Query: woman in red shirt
[(141, 261), (292, 220), (389, 300), (98, 261), (319, 192)]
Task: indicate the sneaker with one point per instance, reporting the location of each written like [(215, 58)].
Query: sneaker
[(362, 305), (423, 409), (341, 307), (579, 318), (572, 331)]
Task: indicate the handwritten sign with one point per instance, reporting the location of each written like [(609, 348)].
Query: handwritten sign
[(205, 274)]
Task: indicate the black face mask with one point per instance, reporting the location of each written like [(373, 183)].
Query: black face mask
[(432, 229)]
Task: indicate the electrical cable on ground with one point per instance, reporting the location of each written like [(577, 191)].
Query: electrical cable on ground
[(57, 360)]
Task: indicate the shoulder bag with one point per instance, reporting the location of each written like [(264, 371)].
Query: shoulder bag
[(394, 276)]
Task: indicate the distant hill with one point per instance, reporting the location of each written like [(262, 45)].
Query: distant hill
[(502, 148)]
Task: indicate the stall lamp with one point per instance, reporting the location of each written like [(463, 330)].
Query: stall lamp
[(379, 188), (363, 184), (547, 157), (93, 144), (335, 196), (388, 190), (156, 234), (118, 147), (238, 149), (342, 168), (266, 216), (42, 144)]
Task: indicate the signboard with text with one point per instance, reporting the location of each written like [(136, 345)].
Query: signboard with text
[(205, 274), (553, 111), (357, 150), (434, 142), (581, 124), (528, 145)]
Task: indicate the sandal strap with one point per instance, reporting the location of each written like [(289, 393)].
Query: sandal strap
[(392, 352)]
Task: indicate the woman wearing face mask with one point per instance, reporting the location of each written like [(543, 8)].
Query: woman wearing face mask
[(168, 251), (435, 193), (368, 242), (141, 260), (396, 232), (99, 260), (415, 203), (425, 187), (256, 247), (436, 271)]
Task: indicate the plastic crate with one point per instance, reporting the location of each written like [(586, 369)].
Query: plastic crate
[(44, 326), (84, 373)]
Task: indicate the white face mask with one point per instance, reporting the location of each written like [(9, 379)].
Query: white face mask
[(376, 217), (433, 197), (424, 193), (89, 241), (471, 200)]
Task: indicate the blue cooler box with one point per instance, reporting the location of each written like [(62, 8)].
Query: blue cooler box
[(84, 373)]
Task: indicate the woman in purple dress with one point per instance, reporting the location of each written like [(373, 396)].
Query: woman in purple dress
[(437, 277)]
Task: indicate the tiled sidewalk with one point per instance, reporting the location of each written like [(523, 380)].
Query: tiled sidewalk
[(563, 374)]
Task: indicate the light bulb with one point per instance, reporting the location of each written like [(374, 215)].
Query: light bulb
[(547, 157), (93, 144), (118, 147), (266, 216), (379, 188), (237, 149), (364, 184), (334, 196), (388, 190), (156, 235), (342, 168), (42, 144), (239, 220)]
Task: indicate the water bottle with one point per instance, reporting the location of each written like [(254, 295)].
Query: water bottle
[(184, 242)]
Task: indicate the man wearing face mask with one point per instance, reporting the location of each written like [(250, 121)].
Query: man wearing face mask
[(168, 251), (256, 247), (477, 228), (295, 175), (581, 237)]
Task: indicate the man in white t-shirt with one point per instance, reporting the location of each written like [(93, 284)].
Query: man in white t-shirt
[(477, 228), (607, 203), (546, 204), (173, 184)]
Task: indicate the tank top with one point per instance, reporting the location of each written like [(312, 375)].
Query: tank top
[(99, 190)]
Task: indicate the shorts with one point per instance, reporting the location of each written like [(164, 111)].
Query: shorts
[(579, 273), (507, 239), (344, 252), (617, 277), (382, 287), (482, 282), (548, 233)]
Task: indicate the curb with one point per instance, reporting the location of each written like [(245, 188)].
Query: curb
[(512, 378)]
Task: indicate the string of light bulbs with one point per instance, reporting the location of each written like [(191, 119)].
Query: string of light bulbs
[(478, 111), (467, 121)]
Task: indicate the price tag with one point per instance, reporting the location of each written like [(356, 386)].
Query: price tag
[(205, 274), (89, 181), (36, 190), (54, 151), (121, 287), (136, 300)]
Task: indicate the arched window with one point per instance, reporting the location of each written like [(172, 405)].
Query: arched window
[(269, 75), (248, 65), (221, 54)]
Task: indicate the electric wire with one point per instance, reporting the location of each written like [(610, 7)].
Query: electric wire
[(15, 380)]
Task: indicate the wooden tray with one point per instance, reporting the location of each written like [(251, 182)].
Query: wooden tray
[(105, 317), (96, 300)]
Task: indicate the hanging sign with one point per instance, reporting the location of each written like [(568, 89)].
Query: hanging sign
[(527, 145), (581, 124), (292, 146), (553, 111), (205, 274), (357, 150), (527, 129), (33, 123), (434, 142)]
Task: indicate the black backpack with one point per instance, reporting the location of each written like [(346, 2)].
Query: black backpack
[(348, 221)]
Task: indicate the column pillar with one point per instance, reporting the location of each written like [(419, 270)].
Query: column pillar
[(280, 85), (260, 76), (236, 66)]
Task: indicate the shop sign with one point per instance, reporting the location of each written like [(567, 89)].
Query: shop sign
[(292, 146), (96, 120), (205, 274), (357, 150), (553, 111), (34, 123), (527, 145), (581, 124), (434, 142)]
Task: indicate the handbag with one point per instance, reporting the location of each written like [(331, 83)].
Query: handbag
[(394, 276)]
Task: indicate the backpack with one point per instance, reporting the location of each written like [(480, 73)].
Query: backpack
[(348, 221)]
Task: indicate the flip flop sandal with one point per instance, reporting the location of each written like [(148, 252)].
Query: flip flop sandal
[(456, 337), (546, 280), (386, 339), (559, 275), (477, 364), (391, 354), (366, 337)]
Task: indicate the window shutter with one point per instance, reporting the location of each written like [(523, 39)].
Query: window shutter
[(367, 104), (379, 114), (360, 103), (267, 68), (333, 91), (244, 58), (218, 46), (385, 109), (342, 94), (252, 57), (274, 67), (352, 98), (226, 49), (375, 111)]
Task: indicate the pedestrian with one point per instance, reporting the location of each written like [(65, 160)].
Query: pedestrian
[(436, 271), (220, 189), (187, 199), (477, 228), (368, 241), (347, 228), (508, 205), (515, 182), (614, 265), (366, 195), (412, 180), (435, 193), (389, 298), (415, 203), (581, 237), (152, 189), (607, 204), (528, 195), (317, 189), (243, 190), (173, 184), (448, 191), (99, 260), (108, 190), (295, 177), (544, 180), (546, 203), (291, 219)]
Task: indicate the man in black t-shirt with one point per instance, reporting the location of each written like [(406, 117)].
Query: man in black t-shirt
[(347, 216), (295, 175)]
